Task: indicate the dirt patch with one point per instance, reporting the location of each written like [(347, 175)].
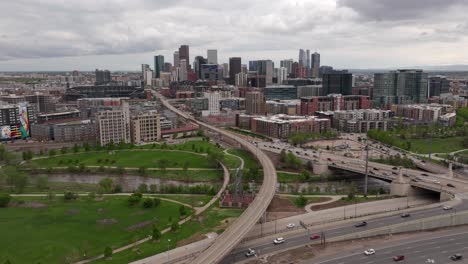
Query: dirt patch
[(194, 238), (139, 225), (107, 221), (335, 204), (282, 208), (34, 205), (72, 211)]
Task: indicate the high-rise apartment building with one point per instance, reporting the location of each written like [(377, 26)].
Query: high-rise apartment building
[(315, 65), (114, 125), (158, 65), (183, 73), (212, 56), (254, 103), (102, 77), (235, 67), (438, 85), (287, 64), (146, 127), (281, 75), (337, 82), (400, 87)]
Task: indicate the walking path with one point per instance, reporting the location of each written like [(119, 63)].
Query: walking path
[(198, 210), (241, 167)]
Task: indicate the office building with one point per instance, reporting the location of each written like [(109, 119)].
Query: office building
[(309, 90), (281, 75), (114, 125), (197, 65), (254, 103), (182, 70), (102, 77), (363, 120), (280, 92), (308, 62), (79, 131), (287, 64), (209, 72), (287, 107), (226, 73), (158, 65), (145, 127), (337, 82), (176, 59), (333, 102), (400, 87), (265, 69), (234, 68), (12, 99), (315, 65), (438, 85), (167, 67), (241, 80), (302, 59), (184, 54), (212, 56)]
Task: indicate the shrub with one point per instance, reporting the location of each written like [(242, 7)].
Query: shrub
[(156, 202), (142, 188), (156, 234), (68, 196), (108, 252), (300, 201), (182, 210), (134, 199), (4, 199), (174, 227), (148, 203), (118, 188)]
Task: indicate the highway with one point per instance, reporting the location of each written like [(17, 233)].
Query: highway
[(300, 239), (430, 250), (237, 230)]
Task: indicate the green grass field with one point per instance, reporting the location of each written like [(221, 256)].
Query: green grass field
[(210, 221), (436, 145), (199, 176), (65, 230), (127, 158), (249, 161), (197, 200)]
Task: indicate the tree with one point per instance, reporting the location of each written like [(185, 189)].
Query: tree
[(214, 158), (142, 171), (142, 188), (309, 165), (42, 182), (86, 147), (465, 142), (51, 195), (27, 155), (76, 148), (305, 175), (64, 150), (4, 199), (108, 252), (174, 226), (156, 234), (117, 188), (134, 199), (105, 185), (147, 203), (15, 177), (283, 156), (182, 210), (153, 188), (300, 201), (68, 196)]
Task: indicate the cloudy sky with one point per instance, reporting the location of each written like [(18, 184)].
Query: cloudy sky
[(122, 34)]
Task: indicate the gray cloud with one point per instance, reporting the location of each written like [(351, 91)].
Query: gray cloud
[(398, 9)]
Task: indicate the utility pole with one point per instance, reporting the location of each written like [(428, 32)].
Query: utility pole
[(367, 168)]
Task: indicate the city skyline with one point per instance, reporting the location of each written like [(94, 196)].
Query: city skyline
[(355, 34)]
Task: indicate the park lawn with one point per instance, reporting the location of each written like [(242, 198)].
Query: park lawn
[(64, 230), (285, 177), (436, 145), (127, 158), (211, 220), (192, 175), (190, 145), (249, 161)]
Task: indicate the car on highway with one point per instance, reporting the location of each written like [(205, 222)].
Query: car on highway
[(375, 169), (363, 223), (437, 182), (290, 225), (278, 240), (414, 180), (456, 257), (314, 236), (329, 159), (405, 215), (398, 258), (369, 252), (424, 174), (250, 252), (447, 207), (450, 185), (394, 168), (394, 173)]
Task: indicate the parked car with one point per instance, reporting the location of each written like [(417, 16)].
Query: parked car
[(398, 258), (456, 257), (290, 225), (363, 223), (314, 236), (405, 215), (329, 159), (278, 240), (450, 185), (250, 252), (369, 252)]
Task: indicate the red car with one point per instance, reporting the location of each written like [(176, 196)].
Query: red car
[(398, 258), (315, 236)]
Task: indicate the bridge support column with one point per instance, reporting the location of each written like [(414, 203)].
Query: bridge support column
[(399, 186), (319, 168), (450, 170)]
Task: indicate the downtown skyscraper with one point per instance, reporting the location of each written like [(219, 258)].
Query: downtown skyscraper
[(158, 65)]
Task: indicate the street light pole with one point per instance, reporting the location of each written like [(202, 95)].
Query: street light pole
[(168, 249), (367, 169)]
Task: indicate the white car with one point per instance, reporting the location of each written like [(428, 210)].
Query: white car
[(447, 207), (278, 240), (250, 252), (369, 252), (290, 225)]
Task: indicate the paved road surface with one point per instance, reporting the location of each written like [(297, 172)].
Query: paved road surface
[(434, 250), (293, 240)]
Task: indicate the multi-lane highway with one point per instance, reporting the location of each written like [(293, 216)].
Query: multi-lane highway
[(236, 231), (299, 239), (437, 250)]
